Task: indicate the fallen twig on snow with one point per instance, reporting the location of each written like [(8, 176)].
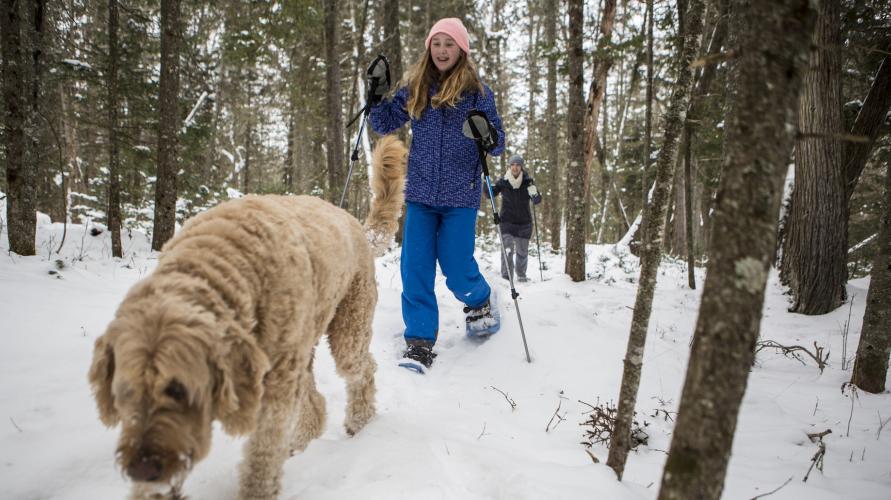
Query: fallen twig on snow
[(602, 422), (817, 459), (793, 350), (556, 414), (482, 433), (772, 491), (511, 402), (882, 424)]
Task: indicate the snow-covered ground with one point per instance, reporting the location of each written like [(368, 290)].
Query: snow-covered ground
[(450, 434)]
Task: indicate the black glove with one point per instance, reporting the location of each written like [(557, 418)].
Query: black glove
[(479, 128), (378, 76)]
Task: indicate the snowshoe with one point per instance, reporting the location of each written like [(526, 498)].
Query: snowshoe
[(418, 358), (483, 321)]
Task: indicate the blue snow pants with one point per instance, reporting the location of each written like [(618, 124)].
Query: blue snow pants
[(447, 235)]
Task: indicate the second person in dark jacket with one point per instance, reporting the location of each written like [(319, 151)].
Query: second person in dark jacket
[(516, 188)]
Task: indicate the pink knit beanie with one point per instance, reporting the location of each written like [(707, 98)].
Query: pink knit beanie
[(453, 27)]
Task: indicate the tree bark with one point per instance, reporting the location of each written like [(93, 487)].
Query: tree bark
[(334, 138), (871, 364), (579, 175), (22, 29), (638, 238), (674, 119), (555, 207), (688, 213), (168, 125), (815, 247), (870, 118), (393, 38), (576, 188), (114, 163), (772, 38), (694, 116)]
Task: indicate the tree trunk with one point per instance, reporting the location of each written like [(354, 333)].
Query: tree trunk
[(392, 38), (576, 189), (674, 119), (114, 163), (334, 138), (678, 221), (870, 118), (554, 199), (694, 116), (772, 37), (815, 246), (638, 238), (579, 174), (688, 213), (168, 125), (531, 81), (871, 364), (22, 32)]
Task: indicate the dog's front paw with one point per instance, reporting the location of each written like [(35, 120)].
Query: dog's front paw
[(357, 420)]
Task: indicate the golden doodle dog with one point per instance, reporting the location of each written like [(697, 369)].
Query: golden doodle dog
[(226, 327)]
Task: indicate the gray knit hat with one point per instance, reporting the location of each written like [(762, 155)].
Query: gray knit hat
[(516, 159)]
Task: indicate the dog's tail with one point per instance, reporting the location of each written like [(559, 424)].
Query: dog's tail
[(387, 188)]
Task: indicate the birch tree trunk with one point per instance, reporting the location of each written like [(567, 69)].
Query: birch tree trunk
[(168, 125), (674, 119), (772, 40), (815, 247)]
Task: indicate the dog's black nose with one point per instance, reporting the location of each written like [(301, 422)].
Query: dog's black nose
[(144, 468)]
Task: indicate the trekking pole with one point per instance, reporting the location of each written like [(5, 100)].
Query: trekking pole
[(355, 155), (537, 241), (472, 131), (378, 72)]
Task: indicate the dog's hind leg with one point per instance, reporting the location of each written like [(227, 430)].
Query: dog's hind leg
[(310, 410), (268, 447), (349, 335)]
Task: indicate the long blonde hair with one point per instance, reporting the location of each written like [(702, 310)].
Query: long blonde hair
[(462, 77)]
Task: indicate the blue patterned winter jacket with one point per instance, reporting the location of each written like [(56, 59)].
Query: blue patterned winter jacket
[(443, 165)]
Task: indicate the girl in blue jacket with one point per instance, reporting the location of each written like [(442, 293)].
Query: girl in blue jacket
[(443, 188)]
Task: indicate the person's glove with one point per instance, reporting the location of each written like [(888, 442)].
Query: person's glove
[(378, 77), (479, 128), (533, 191)]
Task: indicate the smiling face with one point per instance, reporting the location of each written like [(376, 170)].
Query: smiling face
[(515, 169), (444, 52)]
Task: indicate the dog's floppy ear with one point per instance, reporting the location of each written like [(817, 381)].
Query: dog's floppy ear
[(101, 375), (240, 368)]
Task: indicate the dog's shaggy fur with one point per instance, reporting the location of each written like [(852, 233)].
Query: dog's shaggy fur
[(226, 326)]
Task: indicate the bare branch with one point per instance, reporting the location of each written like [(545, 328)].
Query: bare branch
[(817, 459), (772, 491), (792, 352), (482, 433), (882, 424), (511, 402), (556, 414)]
